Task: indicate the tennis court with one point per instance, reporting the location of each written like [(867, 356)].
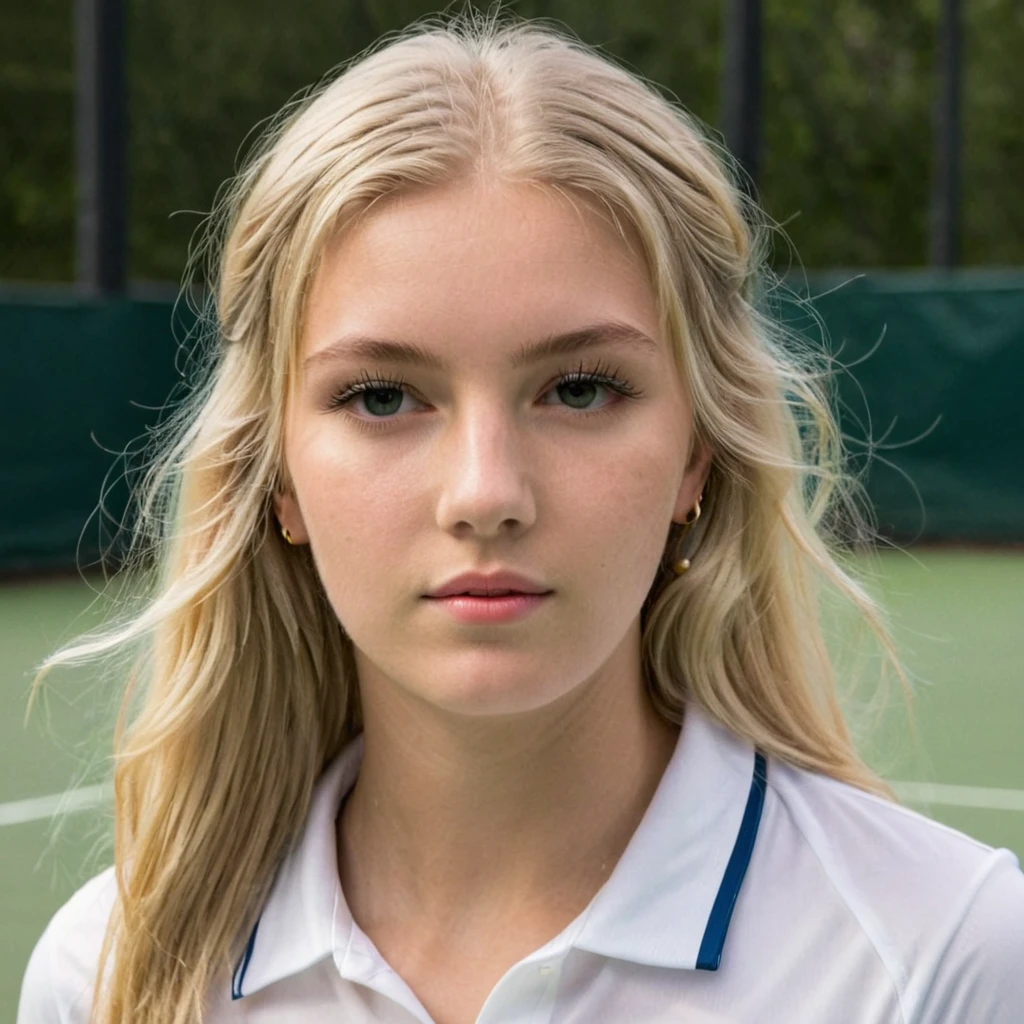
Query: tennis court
[(957, 617)]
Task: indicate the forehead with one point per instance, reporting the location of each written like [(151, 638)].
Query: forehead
[(490, 262)]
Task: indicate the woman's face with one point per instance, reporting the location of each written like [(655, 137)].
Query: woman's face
[(485, 460)]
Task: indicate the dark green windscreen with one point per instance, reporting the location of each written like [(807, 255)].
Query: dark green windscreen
[(939, 396)]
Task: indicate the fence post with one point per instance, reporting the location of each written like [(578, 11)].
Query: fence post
[(100, 146), (945, 198), (741, 85)]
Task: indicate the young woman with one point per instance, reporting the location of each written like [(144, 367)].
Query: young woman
[(484, 680)]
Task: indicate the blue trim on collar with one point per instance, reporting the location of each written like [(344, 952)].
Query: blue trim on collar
[(718, 923), (710, 954), (243, 966)]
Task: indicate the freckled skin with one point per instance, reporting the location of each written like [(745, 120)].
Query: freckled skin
[(485, 465)]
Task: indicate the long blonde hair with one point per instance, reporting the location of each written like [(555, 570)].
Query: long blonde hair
[(245, 685)]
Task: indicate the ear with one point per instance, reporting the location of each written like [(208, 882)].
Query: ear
[(289, 516), (694, 479)]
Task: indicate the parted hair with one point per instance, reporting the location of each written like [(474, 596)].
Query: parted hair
[(244, 684)]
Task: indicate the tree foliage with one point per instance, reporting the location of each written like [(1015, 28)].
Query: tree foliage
[(848, 95)]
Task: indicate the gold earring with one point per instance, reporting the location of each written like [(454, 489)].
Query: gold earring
[(694, 514), (680, 566), (287, 536)]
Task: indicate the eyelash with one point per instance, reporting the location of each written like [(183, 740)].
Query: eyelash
[(600, 374)]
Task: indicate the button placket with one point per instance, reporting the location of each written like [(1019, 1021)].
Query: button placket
[(526, 995), (549, 973)]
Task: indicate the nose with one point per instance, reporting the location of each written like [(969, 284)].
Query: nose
[(486, 473)]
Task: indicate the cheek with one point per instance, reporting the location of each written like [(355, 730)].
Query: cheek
[(355, 510), (639, 480), (624, 506)]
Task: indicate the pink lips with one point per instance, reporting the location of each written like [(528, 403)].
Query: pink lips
[(501, 596), (489, 582)]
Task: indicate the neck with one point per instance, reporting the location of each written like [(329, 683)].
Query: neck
[(455, 821)]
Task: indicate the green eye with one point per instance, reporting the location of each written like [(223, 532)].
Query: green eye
[(383, 395)]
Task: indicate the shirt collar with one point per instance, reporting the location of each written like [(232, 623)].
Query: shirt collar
[(669, 899), (667, 902), (296, 927)]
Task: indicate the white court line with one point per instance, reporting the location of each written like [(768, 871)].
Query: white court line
[(960, 796), (38, 808)]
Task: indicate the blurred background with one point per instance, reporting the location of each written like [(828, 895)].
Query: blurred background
[(886, 140)]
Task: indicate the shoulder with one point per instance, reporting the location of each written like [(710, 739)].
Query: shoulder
[(943, 911), (849, 829), (58, 981)]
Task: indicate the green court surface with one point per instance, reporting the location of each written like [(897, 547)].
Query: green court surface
[(958, 618)]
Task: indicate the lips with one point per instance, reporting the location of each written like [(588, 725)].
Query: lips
[(499, 583)]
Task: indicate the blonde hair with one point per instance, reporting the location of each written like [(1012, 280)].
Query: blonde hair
[(248, 681)]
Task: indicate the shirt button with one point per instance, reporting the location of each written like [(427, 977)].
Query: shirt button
[(545, 969)]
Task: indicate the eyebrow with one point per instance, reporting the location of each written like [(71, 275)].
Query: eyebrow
[(605, 332)]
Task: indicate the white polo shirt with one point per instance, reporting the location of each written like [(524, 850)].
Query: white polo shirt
[(751, 891)]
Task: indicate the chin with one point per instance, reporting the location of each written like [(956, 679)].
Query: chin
[(493, 701)]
